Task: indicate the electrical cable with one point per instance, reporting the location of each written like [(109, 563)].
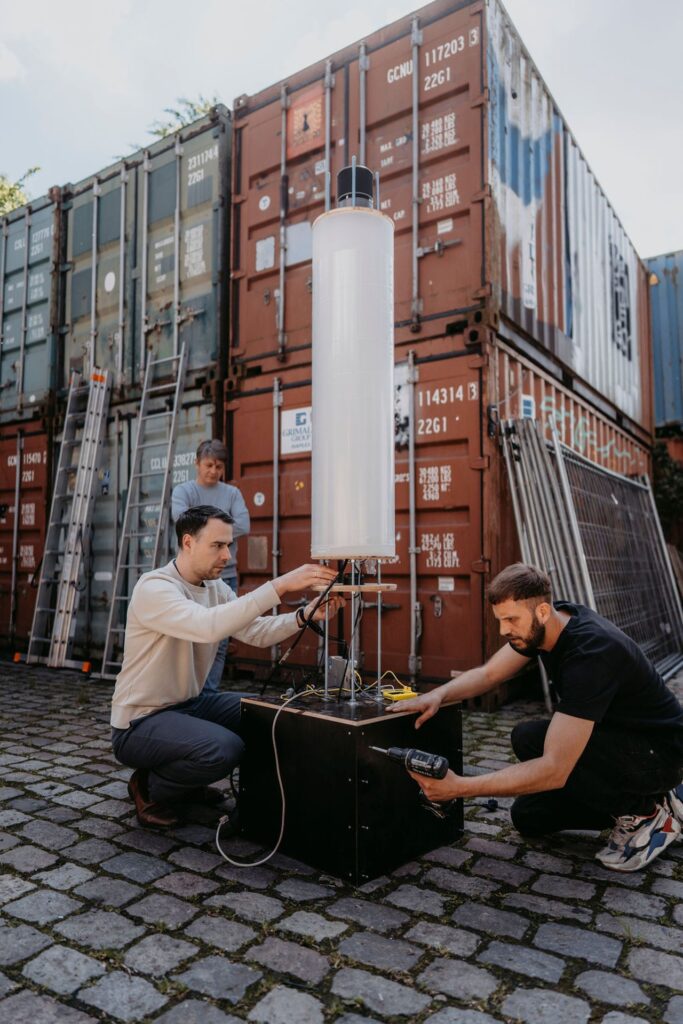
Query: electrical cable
[(226, 818)]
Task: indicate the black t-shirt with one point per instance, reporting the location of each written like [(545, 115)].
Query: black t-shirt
[(601, 675)]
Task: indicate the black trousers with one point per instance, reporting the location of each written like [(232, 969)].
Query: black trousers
[(189, 745), (618, 773)]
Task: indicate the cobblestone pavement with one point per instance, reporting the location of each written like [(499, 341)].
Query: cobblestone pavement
[(104, 921)]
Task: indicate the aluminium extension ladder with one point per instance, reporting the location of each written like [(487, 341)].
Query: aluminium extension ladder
[(145, 521), (70, 518)]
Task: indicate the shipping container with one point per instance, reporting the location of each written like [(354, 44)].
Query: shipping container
[(25, 472), (501, 228), (454, 525), (196, 422), (146, 247), (666, 300), (29, 263)]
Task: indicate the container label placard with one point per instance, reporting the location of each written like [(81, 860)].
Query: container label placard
[(296, 434)]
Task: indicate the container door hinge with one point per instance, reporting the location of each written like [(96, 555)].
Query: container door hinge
[(484, 292), (481, 100), (482, 565), (480, 462), (483, 194)]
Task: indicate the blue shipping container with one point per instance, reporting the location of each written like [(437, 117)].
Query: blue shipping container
[(666, 299)]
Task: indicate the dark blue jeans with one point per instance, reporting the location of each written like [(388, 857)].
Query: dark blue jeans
[(188, 745), (618, 773)]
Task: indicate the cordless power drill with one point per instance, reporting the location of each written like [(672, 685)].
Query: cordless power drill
[(433, 766)]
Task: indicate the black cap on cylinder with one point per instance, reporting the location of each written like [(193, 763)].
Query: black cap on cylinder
[(365, 185)]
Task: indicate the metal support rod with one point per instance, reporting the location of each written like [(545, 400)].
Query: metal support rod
[(143, 266), (378, 696), (15, 533), (377, 204), (280, 306), (275, 552), (329, 83), (92, 355), (176, 249), (412, 539), (24, 313), (416, 39), (3, 264), (353, 181), (327, 653), (122, 272), (352, 651), (362, 73)]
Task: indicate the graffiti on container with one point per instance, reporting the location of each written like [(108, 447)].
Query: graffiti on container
[(440, 550), (438, 133), (621, 302), (194, 262), (440, 193), (434, 481), (583, 438)]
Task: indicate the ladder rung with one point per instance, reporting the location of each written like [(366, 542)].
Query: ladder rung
[(153, 444), (41, 639), (164, 359), (157, 415), (142, 504)]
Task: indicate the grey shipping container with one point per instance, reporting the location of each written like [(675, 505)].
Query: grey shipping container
[(29, 258), (146, 248), (666, 300)]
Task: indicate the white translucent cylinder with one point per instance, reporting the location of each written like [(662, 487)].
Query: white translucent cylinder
[(353, 385)]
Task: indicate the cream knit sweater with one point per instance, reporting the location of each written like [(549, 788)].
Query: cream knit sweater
[(172, 635)]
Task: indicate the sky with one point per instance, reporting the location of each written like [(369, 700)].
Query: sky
[(81, 81)]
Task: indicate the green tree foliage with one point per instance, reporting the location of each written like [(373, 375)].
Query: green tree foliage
[(183, 114), (12, 193), (668, 491)]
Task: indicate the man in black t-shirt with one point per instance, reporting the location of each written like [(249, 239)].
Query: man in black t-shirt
[(612, 754)]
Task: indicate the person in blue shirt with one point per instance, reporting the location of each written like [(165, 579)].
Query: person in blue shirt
[(208, 488)]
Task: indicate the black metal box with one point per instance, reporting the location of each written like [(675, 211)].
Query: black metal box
[(350, 811)]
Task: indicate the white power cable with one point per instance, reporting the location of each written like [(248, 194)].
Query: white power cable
[(224, 820)]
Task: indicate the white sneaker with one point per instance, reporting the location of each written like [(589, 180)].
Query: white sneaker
[(674, 801), (635, 841)]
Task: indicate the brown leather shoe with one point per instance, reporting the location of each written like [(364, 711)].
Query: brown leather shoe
[(150, 815)]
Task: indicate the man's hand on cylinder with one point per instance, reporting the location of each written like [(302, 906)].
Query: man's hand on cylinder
[(303, 578)]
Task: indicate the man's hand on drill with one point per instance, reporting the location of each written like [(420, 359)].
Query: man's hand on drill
[(437, 790), (427, 703)]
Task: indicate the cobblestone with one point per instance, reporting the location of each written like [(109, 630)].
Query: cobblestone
[(522, 960), (42, 907), (157, 955), (312, 926), (657, 968), (569, 941), (458, 979), (490, 920), (374, 950), (289, 958), (543, 1006), (123, 997), (63, 970), (213, 976), (283, 1006), (443, 938), (610, 988), (216, 931), (380, 995)]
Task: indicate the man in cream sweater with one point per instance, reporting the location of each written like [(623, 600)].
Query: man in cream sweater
[(177, 737)]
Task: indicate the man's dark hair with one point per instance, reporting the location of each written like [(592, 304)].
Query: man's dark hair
[(213, 449), (193, 520), (520, 582)]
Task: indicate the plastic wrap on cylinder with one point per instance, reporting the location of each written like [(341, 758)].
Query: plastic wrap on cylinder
[(353, 389)]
